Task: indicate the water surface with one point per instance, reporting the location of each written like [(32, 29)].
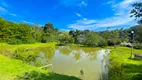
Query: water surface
[(85, 63)]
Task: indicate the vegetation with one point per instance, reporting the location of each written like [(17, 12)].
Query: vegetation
[(18, 33), (10, 68), (25, 50), (122, 67), (65, 38), (23, 44), (104, 38), (137, 12)]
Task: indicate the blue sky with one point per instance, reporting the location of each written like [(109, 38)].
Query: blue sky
[(66, 15)]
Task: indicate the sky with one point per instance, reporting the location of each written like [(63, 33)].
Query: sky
[(96, 15)]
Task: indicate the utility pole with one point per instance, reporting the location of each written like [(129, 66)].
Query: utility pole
[(132, 42)]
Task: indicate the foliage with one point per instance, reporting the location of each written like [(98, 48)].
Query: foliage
[(92, 39), (137, 33), (65, 38), (138, 46), (50, 34), (137, 12), (114, 38), (28, 52), (14, 33), (18, 33)]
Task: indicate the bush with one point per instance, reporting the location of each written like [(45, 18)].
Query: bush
[(25, 54), (138, 46)]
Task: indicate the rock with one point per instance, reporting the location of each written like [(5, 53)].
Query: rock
[(138, 56)]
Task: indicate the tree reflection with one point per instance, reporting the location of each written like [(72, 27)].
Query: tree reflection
[(79, 52)]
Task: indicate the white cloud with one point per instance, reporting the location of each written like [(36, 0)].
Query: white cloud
[(13, 14), (79, 15), (82, 4), (5, 4), (109, 2), (108, 22), (70, 3), (3, 10), (82, 24), (27, 22), (115, 21), (65, 30), (85, 19), (121, 17)]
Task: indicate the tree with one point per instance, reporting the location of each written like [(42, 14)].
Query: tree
[(137, 12), (37, 33), (65, 38), (14, 33), (92, 39), (48, 28), (123, 35), (114, 38), (72, 33), (137, 33), (50, 33), (19, 33)]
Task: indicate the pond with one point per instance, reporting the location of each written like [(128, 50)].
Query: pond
[(85, 63)]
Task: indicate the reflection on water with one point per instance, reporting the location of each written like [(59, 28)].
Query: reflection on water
[(44, 57), (86, 63)]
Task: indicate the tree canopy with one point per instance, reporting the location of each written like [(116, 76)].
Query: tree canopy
[(137, 12)]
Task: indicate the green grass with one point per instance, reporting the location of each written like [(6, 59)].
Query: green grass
[(10, 50), (10, 68), (13, 47), (122, 67)]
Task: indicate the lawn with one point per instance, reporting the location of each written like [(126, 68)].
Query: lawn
[(122, 67), (10, 68)]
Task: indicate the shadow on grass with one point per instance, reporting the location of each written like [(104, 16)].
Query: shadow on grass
[(131, 68), (135, 70), (33, 75)]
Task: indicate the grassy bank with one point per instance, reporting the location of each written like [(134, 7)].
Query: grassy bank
[(26, 52), (4, 46), (10, 68), (13, 62), (122, 67)]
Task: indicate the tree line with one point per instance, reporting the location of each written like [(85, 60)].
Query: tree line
[(19, 33)]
